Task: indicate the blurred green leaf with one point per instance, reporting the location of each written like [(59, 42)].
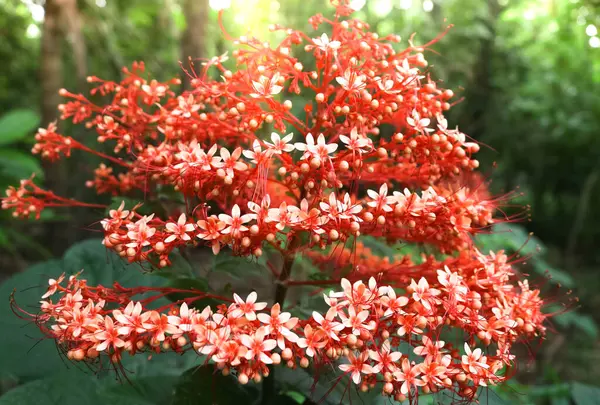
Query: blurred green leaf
[(16, 125), (78, 388), (205, 386), (151, 390), (583, 394), (197, 287), (379, 247), (179, 268), (17, 165)]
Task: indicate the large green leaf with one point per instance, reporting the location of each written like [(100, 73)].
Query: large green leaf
[(152, 390), (204, 386), (583, 394), (16, 165), (16, 125), (196, 286), (77, 388), (24, 352)]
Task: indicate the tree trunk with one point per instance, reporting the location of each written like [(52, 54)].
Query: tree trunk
[(51, 62), (62, 20), (72, 23), (193, 39)]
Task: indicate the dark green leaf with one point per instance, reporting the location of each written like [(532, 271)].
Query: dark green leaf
[(129, 204), (77, 388), (179, 268), (584, 394), (16, 125), (379, 247), (204, 386), (153, 390), (556, 276), (194, 284), (17, 165)]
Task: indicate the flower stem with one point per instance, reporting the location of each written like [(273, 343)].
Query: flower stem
[(281, 288)]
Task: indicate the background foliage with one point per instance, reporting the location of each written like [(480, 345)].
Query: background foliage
[(529, 71)]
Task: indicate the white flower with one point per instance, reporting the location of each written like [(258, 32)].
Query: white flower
[(323, 43), (280, 145), (266, 87), (351, 81)]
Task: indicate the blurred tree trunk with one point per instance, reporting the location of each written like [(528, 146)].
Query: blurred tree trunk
[(51, 72), (72, 22), (51, 65), (480, 90), (194, 36), (62, 20)]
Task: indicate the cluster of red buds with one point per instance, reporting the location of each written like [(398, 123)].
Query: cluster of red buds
[(256, 172)]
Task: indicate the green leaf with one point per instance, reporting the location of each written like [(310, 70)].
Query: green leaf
[(25, 351), (295, 396), (556, 276), (379, 247), (179, 268), (115, 203), (583, 394), (196, 284), (560, 401), (77, 388), (17, 165), (153, 390), (573, 319), (286, 399), (16, 125), (204, 386)]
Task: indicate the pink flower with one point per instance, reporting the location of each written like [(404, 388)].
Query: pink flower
[(235, 221), (185, 319), (53, 286), (279, 323), (258, 347), (381, 200), (429, 347), (418, 123), (385, 358), (266, 87), (246, 308), (280, 145), (408, 376), (394, 304), (357, 366), (328, 325), (324, 44), (230, 162), (356, 321), (108, 336), (474, 361), (351, 81), (320, 150), (210, 229), (423, 293), (132, 319), (282, 215), (179, 230), (312, 341), (357, 143)]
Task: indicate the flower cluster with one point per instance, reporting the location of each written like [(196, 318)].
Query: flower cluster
[(372, 332), (252, 170), (206, 144)]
